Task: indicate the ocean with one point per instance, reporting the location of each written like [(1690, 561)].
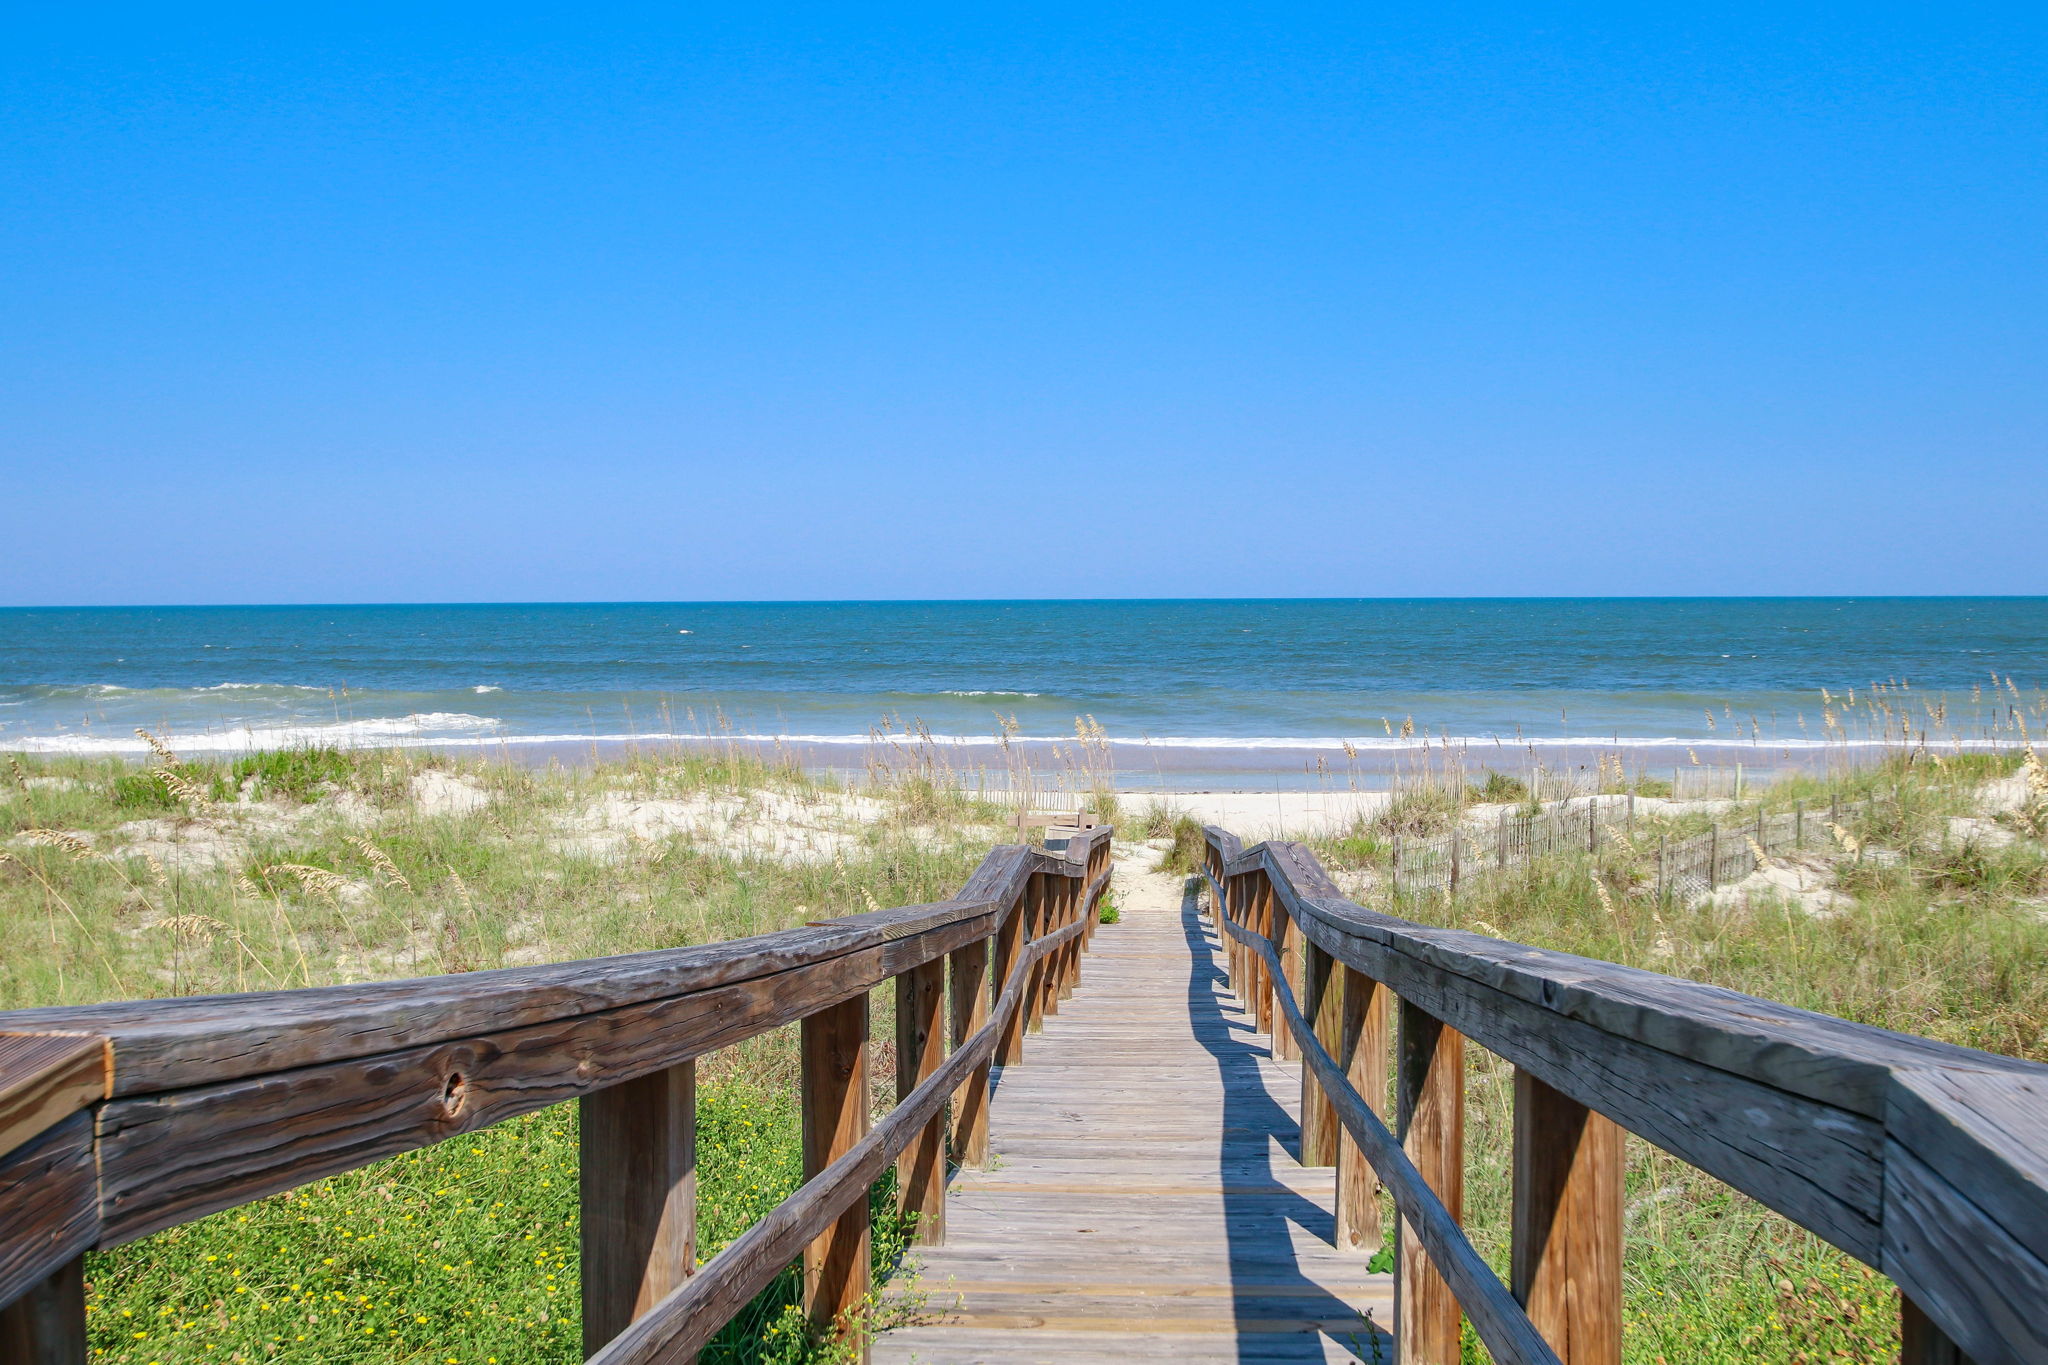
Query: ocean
[(1176, 690)]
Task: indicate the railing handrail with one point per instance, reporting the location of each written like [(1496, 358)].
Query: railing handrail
[(121, 1119), (1926, 1160)]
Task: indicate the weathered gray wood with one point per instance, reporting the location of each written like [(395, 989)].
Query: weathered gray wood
[(44, 1079), (638, 1177), (920, 1051), (1986, 1133), (49, 1205), (46, 1325), (1817, 1164), (1967, 1273)]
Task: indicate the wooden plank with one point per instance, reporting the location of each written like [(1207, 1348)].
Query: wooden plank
[(1566, 1233), (1986, 1133), (1972, 1278), (204, 1040), (1363, 1056), (45, 1078), (920, 1051), (1322, 1000), (166, 1159), (638, 1180), (1819, 1165), (1430, 1103), (969, 987), (49, 1205), (46, 1325), (835, 1117), (1011, 942)]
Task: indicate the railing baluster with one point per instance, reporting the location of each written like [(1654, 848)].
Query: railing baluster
[(835, 1105), (921, 1050), (1430, 1102), (970, 992), (1322, 1003), (1010, 940), (1363, 1055), (46, 1326), (1287, 947), (638, 1177), (1038, 907), (1568, 1164)]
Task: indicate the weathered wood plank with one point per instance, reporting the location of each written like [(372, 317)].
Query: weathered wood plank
[(638, 1178), (46, 1325), (202, 1040), (1429, 1095), (1965, 1271), (835, 1119), (1363, 1057), (44, 1079), (166, 1159), (920, 1051), (1566, 1233), (49, 1205), (969, 988)]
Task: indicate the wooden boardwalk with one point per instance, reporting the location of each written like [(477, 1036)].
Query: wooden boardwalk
[(1143, 1202)]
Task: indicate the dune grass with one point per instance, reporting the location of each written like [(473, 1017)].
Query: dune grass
[(1943, 935), (318, 866)]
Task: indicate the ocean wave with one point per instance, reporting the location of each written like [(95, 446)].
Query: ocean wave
[(417, 730), (988, 692)]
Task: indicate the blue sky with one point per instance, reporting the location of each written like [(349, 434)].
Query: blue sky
[(606, 303)]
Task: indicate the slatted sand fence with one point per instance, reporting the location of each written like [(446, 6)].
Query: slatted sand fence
[(1143, 1200)]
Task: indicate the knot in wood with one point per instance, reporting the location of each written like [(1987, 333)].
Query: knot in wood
[(454, 1094)]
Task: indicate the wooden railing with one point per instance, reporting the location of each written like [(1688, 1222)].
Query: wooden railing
[(120, 1120), (1926, 1161)]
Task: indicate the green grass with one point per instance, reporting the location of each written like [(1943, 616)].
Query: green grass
[(321, 866)]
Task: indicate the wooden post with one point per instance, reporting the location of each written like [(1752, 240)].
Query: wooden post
[(1262, 925), (970, 992), (1799, 824), (1397, 864), (1921, 1342), (921, 1050), (1363, 1055), (1430, 1095), (835, 1104), (1500, 840), (1663, 882), (1456, 843), (1566, 1240), (1286, 947), (1010, 940), (638, 1178), (1038, 896), (1713, 855), (1322, 1004), (46, 1326)]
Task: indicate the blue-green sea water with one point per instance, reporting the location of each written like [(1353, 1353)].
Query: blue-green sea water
[(1211, 677)]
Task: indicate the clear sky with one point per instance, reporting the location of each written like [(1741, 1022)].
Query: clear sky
[(598, 302)]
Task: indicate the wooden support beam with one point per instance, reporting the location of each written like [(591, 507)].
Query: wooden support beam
[(1921, 1342), (638, 1143), (921, 1050), (1322, 1004), (46, 1326), (1038, 906), (1568, 1164), (1362, 1052), (970, 993), (835, 1105), (1009, 951), (1430, 1102)]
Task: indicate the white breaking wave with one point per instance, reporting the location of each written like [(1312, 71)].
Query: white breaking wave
[(990, 692), (432, 727)]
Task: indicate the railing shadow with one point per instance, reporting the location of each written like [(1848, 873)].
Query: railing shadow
[(1274, 1298)]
